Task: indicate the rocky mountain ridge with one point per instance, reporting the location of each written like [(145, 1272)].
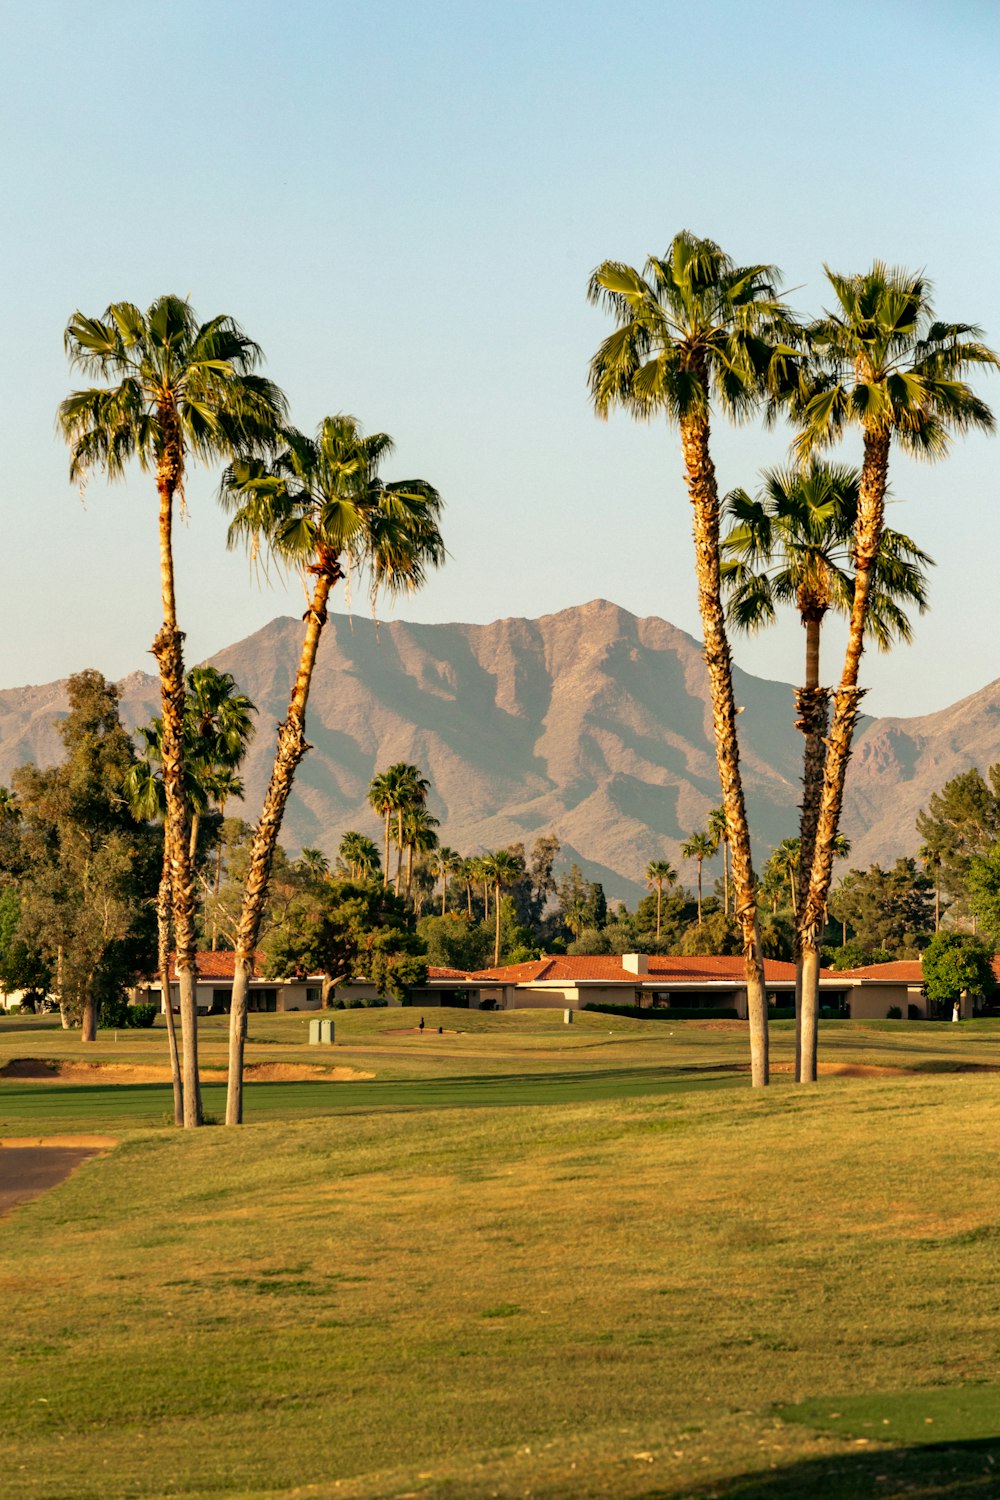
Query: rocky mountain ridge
[(590, 723)]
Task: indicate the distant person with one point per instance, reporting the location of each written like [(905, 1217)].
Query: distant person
[(421, 1025), (956, 1010)]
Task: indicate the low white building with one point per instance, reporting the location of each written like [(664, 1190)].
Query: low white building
[(214, 988)]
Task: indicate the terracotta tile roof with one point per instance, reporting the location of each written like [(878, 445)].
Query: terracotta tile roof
[(608, 969), (220, 965), (900, 971), (434, 971)]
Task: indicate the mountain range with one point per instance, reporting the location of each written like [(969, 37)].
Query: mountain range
[(589, 723)]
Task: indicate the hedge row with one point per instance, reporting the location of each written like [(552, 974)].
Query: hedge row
[(668, 1013)]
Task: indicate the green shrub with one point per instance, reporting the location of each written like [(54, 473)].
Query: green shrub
[(894, 1013), (142, 1015)]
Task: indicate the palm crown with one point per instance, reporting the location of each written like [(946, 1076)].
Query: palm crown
[(692, 327), (793, 544), (882, 361), (321, 505), (181, 386)]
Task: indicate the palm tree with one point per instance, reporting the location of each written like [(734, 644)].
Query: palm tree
[(883, 363), (446, 862), (410, 798), (147, 800), (698, 847), (322, 507), (467, 873), (659, 872), (503, 868), (793, 545), (314, 865), (693, 329), (719, 834), (175, 390), (382, 797), (418, 836), (360, 854), (220, 729)]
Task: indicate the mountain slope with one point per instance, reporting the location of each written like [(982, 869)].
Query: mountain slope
[(590, 723)]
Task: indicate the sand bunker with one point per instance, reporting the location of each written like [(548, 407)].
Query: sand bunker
[(846, 1070), (37, 1163), (57, 1070)]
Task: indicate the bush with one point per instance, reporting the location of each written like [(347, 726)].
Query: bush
[(142, 1015), (378, 1002), (894, 1013), (114, 1012)]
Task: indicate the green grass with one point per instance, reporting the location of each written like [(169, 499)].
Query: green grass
[(528, 1259), (653, 1295)]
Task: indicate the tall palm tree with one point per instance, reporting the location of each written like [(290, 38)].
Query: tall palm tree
[(659, 873), (446, 862), (698, 847), (719, 834), (694, 329), (467, 874), (418, 836), (502, 868), (147, 800), (793, 544), (175, 389), (322, 507), (382, 797), (220, 719), (410, 798), (880, 362)]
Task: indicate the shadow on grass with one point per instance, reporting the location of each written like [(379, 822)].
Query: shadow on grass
[(151, 1103), (955, 1470)]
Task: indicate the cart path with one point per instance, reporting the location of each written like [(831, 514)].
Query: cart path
[(30, 1166)]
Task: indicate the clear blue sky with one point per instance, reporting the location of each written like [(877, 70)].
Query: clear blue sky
[(402, 203)]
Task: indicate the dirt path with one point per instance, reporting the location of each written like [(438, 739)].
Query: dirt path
[(30, 1166)]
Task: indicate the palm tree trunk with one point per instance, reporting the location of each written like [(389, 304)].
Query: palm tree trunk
[(468, 897), (659, 904), (812, 703), (385, 867), (704, 493), (699, 890), (168, 650), (291, 747), (409, 870), (846, 711), (496, 945), (163, 959), (444, 890)]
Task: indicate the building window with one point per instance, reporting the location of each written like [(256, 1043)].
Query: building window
[(221, 1002), (263, 1000), (314, 994)]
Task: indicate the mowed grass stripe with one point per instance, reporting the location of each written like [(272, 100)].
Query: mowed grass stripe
[(143, 1104)]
